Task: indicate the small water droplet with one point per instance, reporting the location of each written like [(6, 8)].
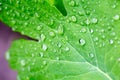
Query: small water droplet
[(83, 30), (41, 54), (22, 62), (91, 31), (51, 22), (80, 13), (44, 62), (39, 27), (111, 41), (91, 55), (57, 58), (42, 37), (52, 34), (59, 45), (60, 29), (72, 3), (73, 19), (44, 47), (96, 39), (118, 59), (116, 17), (114, 6), (94, 20), (67, 48), (0, 9), (7, 55), (87, 21), (82, 42)]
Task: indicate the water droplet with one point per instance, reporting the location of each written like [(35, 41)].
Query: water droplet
[(44, 62), (114, 6), (87, 21), (83, 30), (72, 3), (7, 55), (80, 13), (73, 19), (42, 37), (28, 68), (41, 54), (111, 41), (67, 48), (94, 20), (51, 22), (91, 31), (44, 47), (96, 39), (82, 42), (59, 45), (39, 27), (57, 58), (91, 55), (60, 29), (22, 62), (116, 17), (52, 34), (118, 59), (0, 9)]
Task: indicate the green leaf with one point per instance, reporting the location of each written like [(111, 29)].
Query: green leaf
[(84, 44)]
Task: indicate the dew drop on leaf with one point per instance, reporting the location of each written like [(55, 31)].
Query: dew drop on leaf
[(42, 37), (67, 48), (111, 41), (39, 27), (116, 17), (60, 29), (41, 54), (83, 30), (22, 62), (44, 47), (96, 39), (82, 42), (52, 34), (59, 45), (80, 13), (91, 55), (91, 31), (87, 21), (72, 3), (94, 20), (73, 19)]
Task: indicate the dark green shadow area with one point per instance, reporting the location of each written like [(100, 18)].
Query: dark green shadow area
[(60, 6)]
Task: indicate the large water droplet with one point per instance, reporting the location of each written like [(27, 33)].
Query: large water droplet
[(82, 42), (116, 17), (72, 3), (44, 47), (22, 62), (57, 58)]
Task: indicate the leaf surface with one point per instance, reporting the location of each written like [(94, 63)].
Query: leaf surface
[(79, 40)]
